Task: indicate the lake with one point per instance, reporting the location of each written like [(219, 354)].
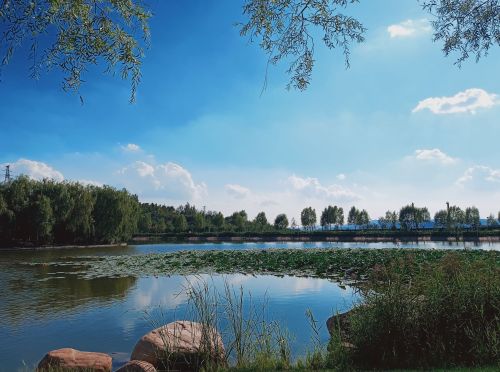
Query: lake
[(43, 307)]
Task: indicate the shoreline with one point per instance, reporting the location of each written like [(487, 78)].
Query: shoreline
[(302, 238), (56, 247), (312, 238)]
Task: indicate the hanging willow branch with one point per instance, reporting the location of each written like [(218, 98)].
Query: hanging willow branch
[(73, 34)]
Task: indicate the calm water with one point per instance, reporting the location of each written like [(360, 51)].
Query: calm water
[(42, 309)]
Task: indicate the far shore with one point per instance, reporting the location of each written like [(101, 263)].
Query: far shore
[(53, 247), (360, 236), (311, 237)]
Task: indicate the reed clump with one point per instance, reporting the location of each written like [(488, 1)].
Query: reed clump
[(447, 314)]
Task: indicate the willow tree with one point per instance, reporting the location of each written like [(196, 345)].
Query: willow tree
[(71, 35)]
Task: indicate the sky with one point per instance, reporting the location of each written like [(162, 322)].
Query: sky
[(403, 124)]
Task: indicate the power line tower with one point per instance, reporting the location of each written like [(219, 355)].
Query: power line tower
[(7, 178)]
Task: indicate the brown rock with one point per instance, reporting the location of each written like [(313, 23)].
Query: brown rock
[(74, 360), (182, 346), (137, 366)]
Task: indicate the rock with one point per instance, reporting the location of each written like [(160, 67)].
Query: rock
[(137, 366), (74, 360), (341, 320), (181, 345)]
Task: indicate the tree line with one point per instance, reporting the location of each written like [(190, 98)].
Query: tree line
[(50, 212), (47, 211)]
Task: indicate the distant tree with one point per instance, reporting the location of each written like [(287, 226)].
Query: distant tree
[(456, 217), (239, 220), (339, 221), (199, 222), (353, 216), (281, 222), (260, 221), (453, 218), (115, 213), (392, 218), (411, 217), (491, 221), (422, 215), (383, 223), (441, 219), (308, 218), (293, 224), (218, 221), (472, 217), (43, 219), (323, 221), (180, 223), (362, 218), (145, 222)]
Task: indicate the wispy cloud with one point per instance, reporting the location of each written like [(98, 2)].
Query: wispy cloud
[(311, 187), (434, 156), (480, 175), (131, 147), (237, 191), (409, 28), (467, 101)]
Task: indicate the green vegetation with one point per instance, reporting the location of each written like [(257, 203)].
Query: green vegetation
[(351, 264), (446, 314), (49, 212)]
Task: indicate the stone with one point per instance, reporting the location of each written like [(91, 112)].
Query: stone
[(341, 320), (74, 360), (137, 366), (181, 346)]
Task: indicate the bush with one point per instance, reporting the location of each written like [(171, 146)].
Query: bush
[(447, 314)]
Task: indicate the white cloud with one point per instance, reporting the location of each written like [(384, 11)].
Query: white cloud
[(167, 181), (467, 101), (311, 187), (35, 169), (341, 177), (143, 169), (409, 28), (131, 147), (434, 156), (480, 176), (237, 191)]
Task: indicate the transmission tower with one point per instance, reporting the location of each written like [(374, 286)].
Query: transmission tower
[(7, 178)]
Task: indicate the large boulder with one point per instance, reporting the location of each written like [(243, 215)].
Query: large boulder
[(74, 360), (181, 346), (137, 366)]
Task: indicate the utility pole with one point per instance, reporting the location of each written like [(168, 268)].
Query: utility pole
[(7, 178)]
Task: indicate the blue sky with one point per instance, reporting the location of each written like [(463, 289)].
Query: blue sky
[(402, 124)]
